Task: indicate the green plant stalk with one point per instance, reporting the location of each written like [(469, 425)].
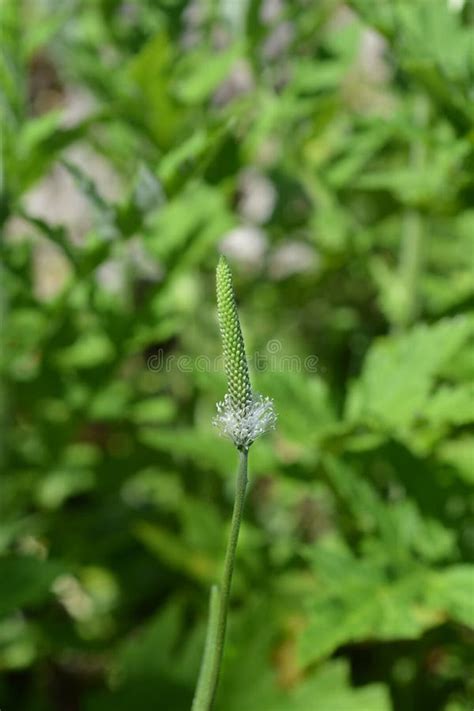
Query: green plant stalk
[(217, 623), (205, 673), (410, 265), (411, 248)]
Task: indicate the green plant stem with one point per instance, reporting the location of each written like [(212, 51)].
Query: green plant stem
[(205, 673), (411, 248), (217, 623), (410, 265)]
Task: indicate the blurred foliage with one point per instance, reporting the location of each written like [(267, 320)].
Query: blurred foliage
[(328, 148)]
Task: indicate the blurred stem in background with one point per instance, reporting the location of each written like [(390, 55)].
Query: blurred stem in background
[(411, 247), (3, 409)]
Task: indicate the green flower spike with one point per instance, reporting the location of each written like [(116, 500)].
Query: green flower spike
[(243, 415)]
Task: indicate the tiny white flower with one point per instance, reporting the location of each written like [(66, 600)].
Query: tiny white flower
[(244, 425)]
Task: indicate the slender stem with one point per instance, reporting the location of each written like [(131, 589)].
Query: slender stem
[(240, 489), (411, 249), (200, 697), (410, 265), (217, 623)]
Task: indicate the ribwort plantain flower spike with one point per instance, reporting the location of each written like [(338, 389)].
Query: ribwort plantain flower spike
[(243, 415), (235, 359)]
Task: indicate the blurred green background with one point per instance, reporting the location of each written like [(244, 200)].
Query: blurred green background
[(327, 148)]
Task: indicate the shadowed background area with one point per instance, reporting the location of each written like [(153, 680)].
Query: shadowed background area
[(326, 148)]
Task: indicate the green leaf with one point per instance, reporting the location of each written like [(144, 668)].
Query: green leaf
[(307, 410), (19, 643), (151, 71), (59, 485), (246, 684), (189, 224), (176, 553), (199, 73), (26, 581), (89, 351), (459, 453), (451, 405), (155, 409), (453, 590), (328, 688), (361, 599), (399, 373)]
